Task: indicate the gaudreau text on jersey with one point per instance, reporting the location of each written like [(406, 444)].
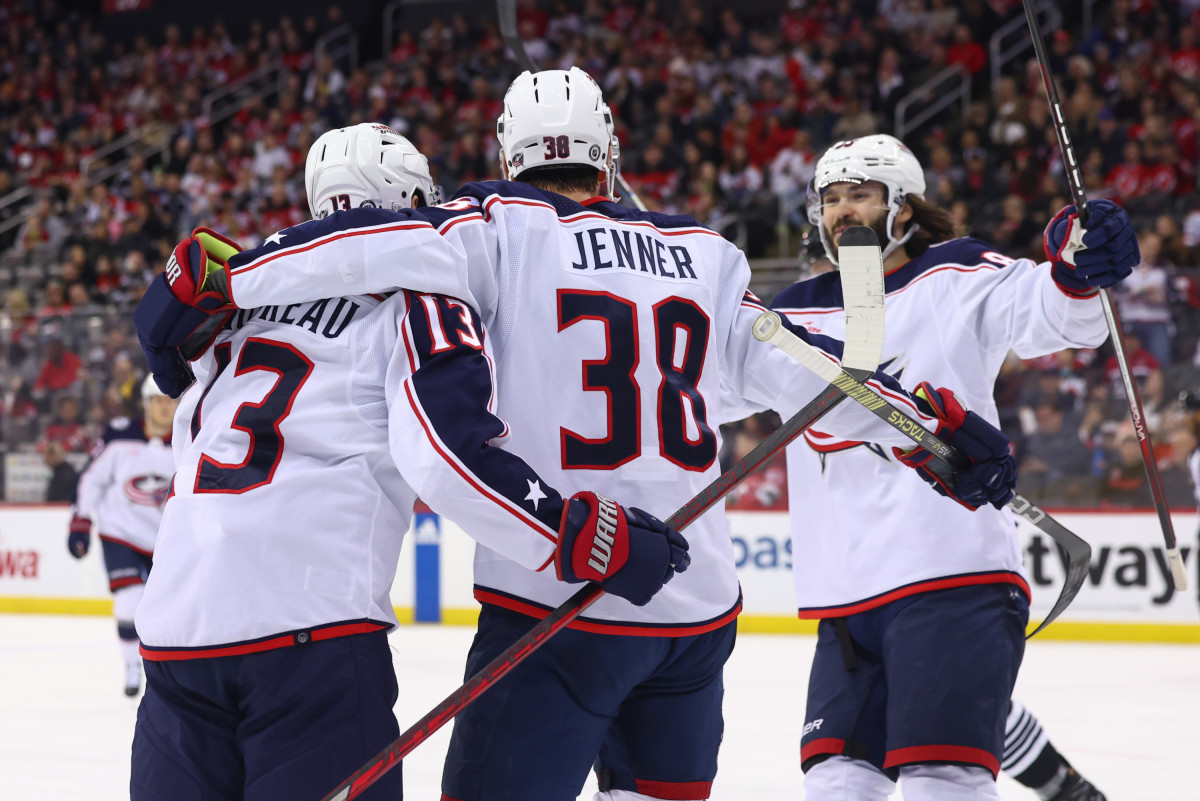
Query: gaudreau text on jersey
[(619, 248), (328, 317)]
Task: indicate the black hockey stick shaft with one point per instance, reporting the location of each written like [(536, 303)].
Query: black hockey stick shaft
[(506, 13), (769, 328), (1132, 395)]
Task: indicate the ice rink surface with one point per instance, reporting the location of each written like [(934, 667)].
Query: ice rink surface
[(1128, 716)]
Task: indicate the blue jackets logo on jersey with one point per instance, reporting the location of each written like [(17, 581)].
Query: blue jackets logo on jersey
[(148, 490)]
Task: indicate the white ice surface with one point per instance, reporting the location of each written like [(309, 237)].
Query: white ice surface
[(1128, 716)]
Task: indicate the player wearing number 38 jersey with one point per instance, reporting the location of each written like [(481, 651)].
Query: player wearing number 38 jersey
[(613, 331), (309, 433)]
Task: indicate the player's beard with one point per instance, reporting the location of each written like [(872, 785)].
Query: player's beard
[(878, 224)]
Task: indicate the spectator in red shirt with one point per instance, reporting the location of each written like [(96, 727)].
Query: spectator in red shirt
[(1144, 368), (279, 212), (65, 429), (60, 369), (1185, 61), (654, 177), (966, 51), (1128, 179)]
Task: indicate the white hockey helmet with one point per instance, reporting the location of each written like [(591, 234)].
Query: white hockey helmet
[(879, 158), (366, 165), (557, 117)]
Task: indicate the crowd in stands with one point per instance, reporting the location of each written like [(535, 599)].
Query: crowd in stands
[(721, 114)]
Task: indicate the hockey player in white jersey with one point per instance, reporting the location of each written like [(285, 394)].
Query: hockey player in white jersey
[(310, 432), (122, 492), (923, 603), (613, 330)]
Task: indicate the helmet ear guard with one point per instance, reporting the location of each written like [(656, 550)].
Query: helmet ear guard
[(367, 165), (557, 118), (880, 158)]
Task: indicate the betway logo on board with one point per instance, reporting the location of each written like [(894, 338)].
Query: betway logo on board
[(1133, 566)]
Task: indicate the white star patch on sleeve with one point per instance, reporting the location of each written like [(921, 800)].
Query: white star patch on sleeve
[(535, 493), (275, 238)]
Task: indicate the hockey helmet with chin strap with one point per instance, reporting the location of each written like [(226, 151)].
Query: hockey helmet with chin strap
[(366, 165), (880, 158), (557, 118)]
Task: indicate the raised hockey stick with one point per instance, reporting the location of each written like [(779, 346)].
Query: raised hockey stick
[(1079, 553), (864, 345), (1079, 197), (506, 14)]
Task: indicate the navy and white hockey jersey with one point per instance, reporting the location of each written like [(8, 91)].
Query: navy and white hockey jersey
[(301, 448), (613, 330), (865, 529), (125, 485)]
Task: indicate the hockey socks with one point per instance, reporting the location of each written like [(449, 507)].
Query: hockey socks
[(1031, 759)]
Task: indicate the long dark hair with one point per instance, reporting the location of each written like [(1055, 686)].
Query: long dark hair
[(935, 222)]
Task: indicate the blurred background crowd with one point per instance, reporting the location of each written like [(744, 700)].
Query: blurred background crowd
[(120, 130)]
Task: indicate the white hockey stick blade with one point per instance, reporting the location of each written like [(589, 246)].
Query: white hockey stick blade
[(861, 268), (861, 272)]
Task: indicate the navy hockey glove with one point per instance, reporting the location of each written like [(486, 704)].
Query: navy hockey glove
[(989, 476), (80, 537), (1085, 260), (184, 308), (631, 552)]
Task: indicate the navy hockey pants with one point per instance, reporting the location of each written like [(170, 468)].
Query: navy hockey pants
[(288, 724), (926, 678), (645, 711)]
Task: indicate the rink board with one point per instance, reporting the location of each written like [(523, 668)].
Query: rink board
[(1127, 597)]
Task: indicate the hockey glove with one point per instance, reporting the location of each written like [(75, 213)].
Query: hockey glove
[(80, 537), (988, 477), (631, 552), (176, 319), (198, 272), (1085, 260)]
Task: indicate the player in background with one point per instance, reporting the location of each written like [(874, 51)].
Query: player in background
[(310, 432), (613, 330), (922, 602), (123, 490)]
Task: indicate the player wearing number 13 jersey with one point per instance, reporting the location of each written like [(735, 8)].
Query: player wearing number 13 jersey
[(311, 429), (613, 331)]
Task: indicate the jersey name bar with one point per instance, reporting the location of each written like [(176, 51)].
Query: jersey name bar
[(328, 317), (632, 251)]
